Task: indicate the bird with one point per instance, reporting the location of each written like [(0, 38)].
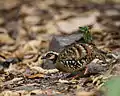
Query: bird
[(75, 57)]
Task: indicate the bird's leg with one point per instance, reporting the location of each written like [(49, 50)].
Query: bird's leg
[(78, 74), (86, 70), (75, 76)]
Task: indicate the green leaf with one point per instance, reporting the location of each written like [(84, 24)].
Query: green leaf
[(86, 34), (113, 87), (83, 29)]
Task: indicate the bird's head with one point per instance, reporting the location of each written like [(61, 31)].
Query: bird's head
[(50, 56)]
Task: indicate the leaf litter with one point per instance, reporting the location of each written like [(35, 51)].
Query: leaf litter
[(26, 30)]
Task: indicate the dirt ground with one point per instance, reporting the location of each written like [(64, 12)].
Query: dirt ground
[(26, 31)]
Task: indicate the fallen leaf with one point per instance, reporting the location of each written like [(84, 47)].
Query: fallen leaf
[(63, 81), (71, 25), (36, 76), (5, 39), (84, 93)]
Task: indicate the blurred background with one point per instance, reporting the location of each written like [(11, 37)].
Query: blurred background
[(29, 28), (27, 20)]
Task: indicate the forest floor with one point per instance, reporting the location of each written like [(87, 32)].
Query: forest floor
[(26, 31)]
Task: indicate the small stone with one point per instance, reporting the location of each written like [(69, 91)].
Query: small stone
[(59, 42)]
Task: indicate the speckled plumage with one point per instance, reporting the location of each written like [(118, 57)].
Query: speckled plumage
[(76, 57)]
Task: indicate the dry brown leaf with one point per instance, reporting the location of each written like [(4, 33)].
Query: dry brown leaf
[(51, 28), (44, 71), (32, 45), (9, 4), (2, 20), (32, 20), (47, 92), (5, 39), (63, 81), (14, 93), (28, 10), (36, 76), (71, 25), (38, 29), (9, 93), (84, 93)]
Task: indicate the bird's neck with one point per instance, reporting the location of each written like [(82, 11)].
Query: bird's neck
[(55, 58)]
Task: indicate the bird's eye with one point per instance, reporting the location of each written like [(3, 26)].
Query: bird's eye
[(48, 55)]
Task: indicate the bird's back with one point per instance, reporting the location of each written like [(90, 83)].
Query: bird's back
[(75, 57)]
